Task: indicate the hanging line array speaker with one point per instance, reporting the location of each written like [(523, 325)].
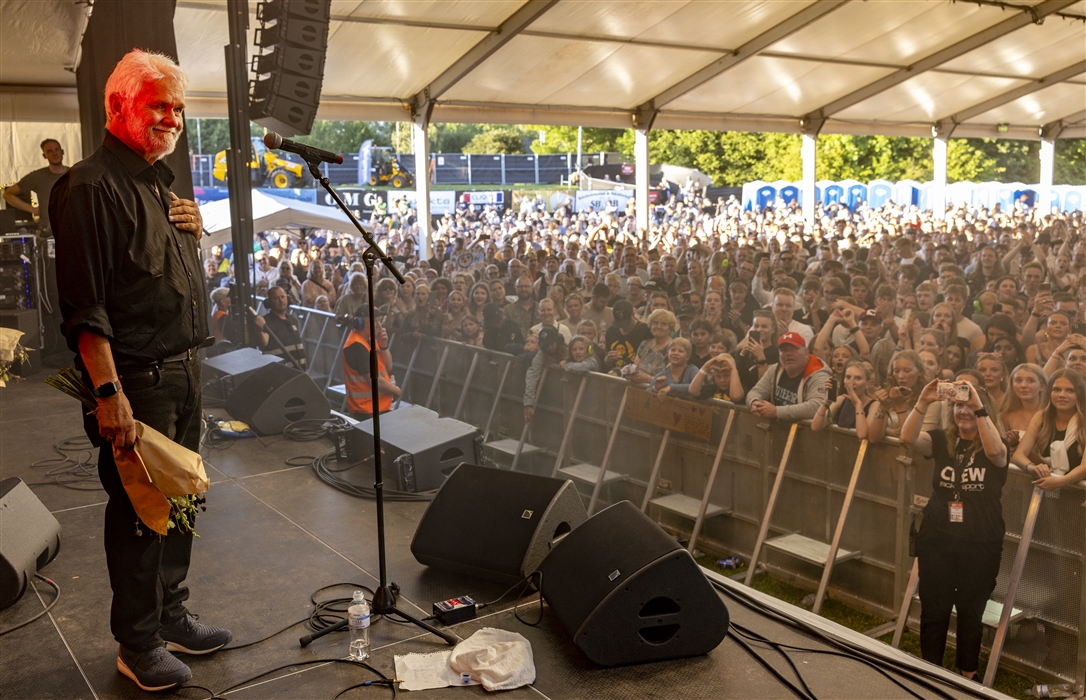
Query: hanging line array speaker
[(293, 37)]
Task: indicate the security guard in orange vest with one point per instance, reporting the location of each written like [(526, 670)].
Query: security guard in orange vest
[(356, 370)]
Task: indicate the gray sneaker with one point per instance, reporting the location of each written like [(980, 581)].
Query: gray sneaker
[(188, 636), (156, 669)]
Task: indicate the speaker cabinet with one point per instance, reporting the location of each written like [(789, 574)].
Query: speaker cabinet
[(29, 538), (274, 396), (628, 593), (495, 524), (421, 447), (225, 372)]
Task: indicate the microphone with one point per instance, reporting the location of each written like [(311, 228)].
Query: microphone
[(277, 143)]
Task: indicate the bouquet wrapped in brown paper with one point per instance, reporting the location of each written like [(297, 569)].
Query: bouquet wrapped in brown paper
[(162, 479)]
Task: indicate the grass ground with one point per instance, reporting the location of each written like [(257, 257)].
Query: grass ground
[(1007, 682)]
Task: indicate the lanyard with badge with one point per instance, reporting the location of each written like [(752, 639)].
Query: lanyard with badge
[(957, 508)]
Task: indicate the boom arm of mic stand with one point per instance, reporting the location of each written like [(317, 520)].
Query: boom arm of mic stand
[(381, 255)]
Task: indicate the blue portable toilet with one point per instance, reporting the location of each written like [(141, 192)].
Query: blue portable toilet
[(985, 194), (765, 196), (927, 195), (1026, 194), (907, 193), (750, 193), (832, 193), (1073, 198), (787, 191), (855, 193), (1004, 195), (1052, 199), (960, 193), (879, 192)]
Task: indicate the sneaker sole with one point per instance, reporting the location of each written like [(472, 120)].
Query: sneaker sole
[(181, 649), (123, 668)]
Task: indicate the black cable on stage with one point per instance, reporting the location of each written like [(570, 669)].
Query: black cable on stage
[(78, 473), (780, 646), (44, 612), (772, 670), (383, 679), (920, 677)]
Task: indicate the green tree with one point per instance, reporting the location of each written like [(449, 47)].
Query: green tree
[(346, 136), (451, 138), (965, 162), (865, 158), (507, 140), (563, 139), (1070, 164)]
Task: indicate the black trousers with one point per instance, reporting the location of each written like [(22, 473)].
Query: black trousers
[(147, 572), (954, 574)]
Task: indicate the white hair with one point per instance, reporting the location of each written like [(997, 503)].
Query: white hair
[(135, 70)]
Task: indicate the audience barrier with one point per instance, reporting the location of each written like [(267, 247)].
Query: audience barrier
[(577, 424)]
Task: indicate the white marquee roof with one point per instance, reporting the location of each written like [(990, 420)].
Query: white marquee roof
[(271, 212), (865, 67)]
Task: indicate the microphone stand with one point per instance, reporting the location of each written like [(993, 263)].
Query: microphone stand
[(384, 598)]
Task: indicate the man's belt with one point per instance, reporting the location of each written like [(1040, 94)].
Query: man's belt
[(189, 354)]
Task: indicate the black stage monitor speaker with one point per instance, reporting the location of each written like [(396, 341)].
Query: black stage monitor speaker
[(29, 538), (274, 396), (628, 593), (224, 373), (421, 448), (496, 524)]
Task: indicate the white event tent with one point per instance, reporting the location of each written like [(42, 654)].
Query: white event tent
[(271, 212)]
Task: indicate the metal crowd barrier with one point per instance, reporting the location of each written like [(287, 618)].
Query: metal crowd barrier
[(578, 426)]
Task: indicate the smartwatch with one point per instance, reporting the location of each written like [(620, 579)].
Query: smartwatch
[(981, 412), (106, 390)]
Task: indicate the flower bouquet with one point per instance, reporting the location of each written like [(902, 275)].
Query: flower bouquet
[(162, 479)]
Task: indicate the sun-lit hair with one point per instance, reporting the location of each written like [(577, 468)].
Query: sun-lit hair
[(138, 68), (1047, 430), (1011, 401)]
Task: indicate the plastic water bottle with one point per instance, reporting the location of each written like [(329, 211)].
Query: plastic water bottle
[(1061, 690), (358, 622)]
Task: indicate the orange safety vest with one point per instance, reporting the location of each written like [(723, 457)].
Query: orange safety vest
[(217, 329), (358, 383)]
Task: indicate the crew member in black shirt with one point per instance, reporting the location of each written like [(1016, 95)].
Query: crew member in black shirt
[(134, 309), (277, 321), (960, 541)]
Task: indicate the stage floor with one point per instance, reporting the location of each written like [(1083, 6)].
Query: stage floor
[(272, 535)]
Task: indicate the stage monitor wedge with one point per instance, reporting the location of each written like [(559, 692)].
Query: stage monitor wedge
[(29, 538), (628, 593), (495, 524), (275, 396)]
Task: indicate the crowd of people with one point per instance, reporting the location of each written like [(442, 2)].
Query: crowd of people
[(962, 336)]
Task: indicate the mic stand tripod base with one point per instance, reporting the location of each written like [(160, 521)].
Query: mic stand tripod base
[(384, 603)]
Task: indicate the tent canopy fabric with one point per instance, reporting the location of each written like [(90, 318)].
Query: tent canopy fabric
[(898, 67), (271, 212)]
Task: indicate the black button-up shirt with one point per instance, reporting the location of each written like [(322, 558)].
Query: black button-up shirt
[(123, 270)]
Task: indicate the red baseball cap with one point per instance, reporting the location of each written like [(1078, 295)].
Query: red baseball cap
[(792, 338)]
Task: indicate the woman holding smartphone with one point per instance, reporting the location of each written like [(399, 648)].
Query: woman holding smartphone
[(758, 349), (907, 378), (960, 542), (854, 407)]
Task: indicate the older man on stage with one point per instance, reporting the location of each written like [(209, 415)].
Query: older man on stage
[(135, 311)]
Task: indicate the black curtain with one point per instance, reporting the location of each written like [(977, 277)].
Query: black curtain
[(116, 27)]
